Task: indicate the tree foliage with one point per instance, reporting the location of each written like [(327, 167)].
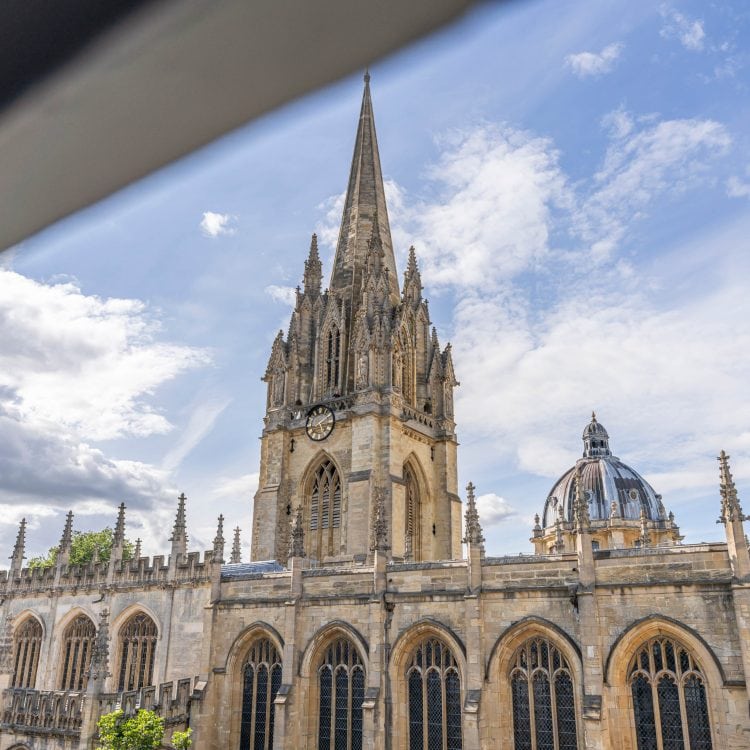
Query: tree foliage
[(82, 549), (182, 740), (144, 731)]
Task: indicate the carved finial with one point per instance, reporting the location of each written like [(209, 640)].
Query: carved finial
[(99, 666), (645, 537), (472, 527), (219, 541), (559, 539), (582, 518), (137, 551), (297, 535), (179, 532), (537, 524), (367, 75), (19, 549), (593, 416), (96, 555), (236, 549), (379, 524), (313, 268), (6, 646), (119, 535), (67, 536), (614, 509), (731, 510)]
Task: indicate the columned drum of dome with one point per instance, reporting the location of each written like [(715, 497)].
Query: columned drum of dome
[(624, 509)]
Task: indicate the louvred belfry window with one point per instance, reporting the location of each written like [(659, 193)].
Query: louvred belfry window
[(543, 701), (341, 686), (261, 679), (413, 516), (670, 709), (325, 511), (137, 650), (333, 358), (434, 695), (27, 643), (78, 641)]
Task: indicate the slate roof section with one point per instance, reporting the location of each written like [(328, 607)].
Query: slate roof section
[(252, 569)]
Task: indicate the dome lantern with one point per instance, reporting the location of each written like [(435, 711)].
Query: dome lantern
[(595, 439)]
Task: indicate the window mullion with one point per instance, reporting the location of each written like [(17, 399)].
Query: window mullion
[(553, 702), (657, 711), (683, 713), (532, 716)]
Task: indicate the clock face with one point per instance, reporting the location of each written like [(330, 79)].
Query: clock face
[(320, 422)]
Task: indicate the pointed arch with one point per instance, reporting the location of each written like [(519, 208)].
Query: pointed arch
[(28, 634), (537, 670), (136, 635), (335, 663), (78, 636), (428, 670), (668, 681), (322, 507), (253, 665), (417, 509)]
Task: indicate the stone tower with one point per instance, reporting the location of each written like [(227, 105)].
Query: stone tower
[(360, 399)]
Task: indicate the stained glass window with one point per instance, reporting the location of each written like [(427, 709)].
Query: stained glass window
[(27, 642), (544, 715), (670, 710), (261, 679), (78, 641), (434, 695), (341, 688), (137, 650)]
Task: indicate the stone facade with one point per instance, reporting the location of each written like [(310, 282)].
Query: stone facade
[(365, 619)]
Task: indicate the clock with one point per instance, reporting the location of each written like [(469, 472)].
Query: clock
[(320, 422)]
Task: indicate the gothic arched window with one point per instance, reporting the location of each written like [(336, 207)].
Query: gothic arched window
[(261, 679), (78, 641), (341, 691), (413, 521), (333, 358), (670, 709), (544, 714), (137, 649), (434, 690), (325, 511), (27, 643)]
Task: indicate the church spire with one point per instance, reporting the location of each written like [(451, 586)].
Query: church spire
[(313, 268), (364, 206)]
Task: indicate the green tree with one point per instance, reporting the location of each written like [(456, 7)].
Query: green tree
[(82, 549), (182, 740), (144, 731)]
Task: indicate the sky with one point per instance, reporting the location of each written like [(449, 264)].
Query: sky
[(575, 177)]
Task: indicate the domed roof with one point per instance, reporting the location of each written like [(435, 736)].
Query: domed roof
[(606, 480)]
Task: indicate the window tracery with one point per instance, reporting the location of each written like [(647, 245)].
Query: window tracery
[(413, 525), (341, 691), (137, 650), (26, 647), (670, 709), (78, 641), (325, 511), (261, 679), (434, 697), (543, 699)]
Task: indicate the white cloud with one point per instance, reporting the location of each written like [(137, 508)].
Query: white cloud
[(493, 509), (737, 188), (677, 25), (285, 294), (85, 363), (586, 64), (213, 224), (669, 155), (76, 369)]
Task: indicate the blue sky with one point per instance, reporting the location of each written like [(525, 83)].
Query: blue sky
[(576, 180)]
